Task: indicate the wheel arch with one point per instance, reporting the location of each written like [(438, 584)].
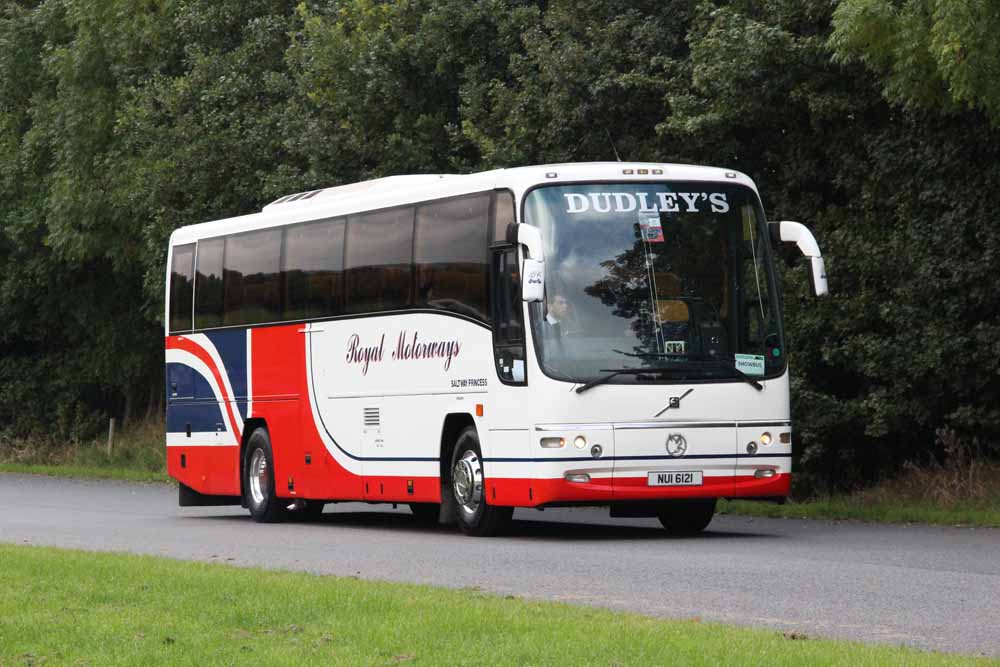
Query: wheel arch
[(454, 424)]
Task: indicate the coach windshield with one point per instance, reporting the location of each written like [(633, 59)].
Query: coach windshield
[(664, 281)]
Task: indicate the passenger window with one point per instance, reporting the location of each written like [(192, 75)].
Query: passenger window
[(313, 269), (251, 278), (450, 255), (181, 288), (208, 284), (378, 261)]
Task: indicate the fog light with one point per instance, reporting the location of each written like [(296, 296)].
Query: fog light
[(553, 443), (596, 451), (580, 477), (761, 474), (751, 448), (579, 442), (765, 438)]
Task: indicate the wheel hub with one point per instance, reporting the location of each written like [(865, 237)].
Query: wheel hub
[(467, 480), (258, 477)]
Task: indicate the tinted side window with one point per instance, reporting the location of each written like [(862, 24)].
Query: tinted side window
[(208, 284), (503, 216), (378, 260), (181, 287), (450, 254), (252, 278), (313, 269)]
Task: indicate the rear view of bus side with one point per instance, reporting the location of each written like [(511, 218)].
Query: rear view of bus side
[(585, 334)]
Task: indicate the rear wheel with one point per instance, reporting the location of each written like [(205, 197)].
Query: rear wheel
[(474, 514), (258, 480), (687, 517)]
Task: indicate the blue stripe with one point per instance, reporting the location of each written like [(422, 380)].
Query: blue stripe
[(638, 458)]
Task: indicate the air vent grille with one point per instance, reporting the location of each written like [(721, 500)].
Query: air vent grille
[(372, 417)]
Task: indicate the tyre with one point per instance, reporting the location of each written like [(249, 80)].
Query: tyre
[(475, 516), (258, 480), (425, 512), (687, 517)]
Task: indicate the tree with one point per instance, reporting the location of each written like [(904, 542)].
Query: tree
[(933, 54)]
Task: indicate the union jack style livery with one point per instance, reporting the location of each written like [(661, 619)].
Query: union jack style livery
[(374, 342)]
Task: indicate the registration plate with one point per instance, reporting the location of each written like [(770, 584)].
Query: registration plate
[(675, 478)]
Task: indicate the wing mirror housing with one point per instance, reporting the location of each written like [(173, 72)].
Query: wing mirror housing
[(787, 231), (533, 264)]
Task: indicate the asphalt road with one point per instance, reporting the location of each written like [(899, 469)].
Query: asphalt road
[(930, 587)]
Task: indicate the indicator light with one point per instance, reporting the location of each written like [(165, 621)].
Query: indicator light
[(553, 443)]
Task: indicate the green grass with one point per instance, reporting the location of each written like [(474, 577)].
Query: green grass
[(138, 454), (847, 508), (968, 496), (76, 608), (92, 472)]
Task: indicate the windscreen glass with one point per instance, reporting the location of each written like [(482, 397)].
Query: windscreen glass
[(671, 277)]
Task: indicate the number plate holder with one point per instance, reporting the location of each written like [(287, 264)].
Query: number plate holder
[(675, 478)]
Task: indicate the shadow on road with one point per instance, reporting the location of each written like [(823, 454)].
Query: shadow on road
[(531, 529)]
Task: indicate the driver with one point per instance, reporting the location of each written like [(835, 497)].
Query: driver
[(560, 315)]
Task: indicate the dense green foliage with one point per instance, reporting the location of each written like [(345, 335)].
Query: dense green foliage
[(122, 120)]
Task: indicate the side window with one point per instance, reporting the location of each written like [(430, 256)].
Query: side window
[(313, 269), (508, 321), (503, 215), (378, 259), (449, 253), (181, 287), (251, 278), (208, 284)]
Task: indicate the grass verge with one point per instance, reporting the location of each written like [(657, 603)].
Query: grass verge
[(837, 508), (968, 496), (72, 607), (87, 472), (138, 454)]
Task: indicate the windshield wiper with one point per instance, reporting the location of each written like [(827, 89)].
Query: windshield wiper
[(737, 372), (651, 355), (717, 363), (615, 372)]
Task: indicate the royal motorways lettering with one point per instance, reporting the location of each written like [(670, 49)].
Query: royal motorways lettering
[(364, 354), (408, 347), (646, 202)]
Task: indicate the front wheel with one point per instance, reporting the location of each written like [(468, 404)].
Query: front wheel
[(687, 517), (474, 514), (258, 480)]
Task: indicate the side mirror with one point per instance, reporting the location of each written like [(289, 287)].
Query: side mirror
[(787, 231), (533, 266)]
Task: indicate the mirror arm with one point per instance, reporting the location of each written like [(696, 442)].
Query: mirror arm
[(788, 231)]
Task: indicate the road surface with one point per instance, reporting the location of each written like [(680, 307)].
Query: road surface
[(930, 587)]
